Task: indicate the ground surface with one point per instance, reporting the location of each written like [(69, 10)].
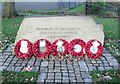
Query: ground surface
[(79, 69), (55, 71)]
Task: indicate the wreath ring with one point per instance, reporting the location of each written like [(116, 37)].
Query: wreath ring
[(89, 53), (36, 49), (76, 42), (17, 51), (63, 48)]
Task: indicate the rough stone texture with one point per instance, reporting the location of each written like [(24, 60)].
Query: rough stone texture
[(52, 28), (44, 63), (53, 71), (1, 62), (41, 77)]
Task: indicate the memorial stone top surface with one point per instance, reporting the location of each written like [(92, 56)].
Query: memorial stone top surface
[(66, 27)]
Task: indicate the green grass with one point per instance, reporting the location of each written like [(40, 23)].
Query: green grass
[(110, 27), (113, 47), (0, 29), (79, 8), (10, 27), (16, 77), (35, 12), (115, 74)]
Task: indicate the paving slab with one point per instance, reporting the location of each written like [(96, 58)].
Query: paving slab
[(73, 71)]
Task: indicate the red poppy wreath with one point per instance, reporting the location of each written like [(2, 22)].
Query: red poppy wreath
[(94, 49), (23, 49), (76, 47), (42, 48), (59, 46)]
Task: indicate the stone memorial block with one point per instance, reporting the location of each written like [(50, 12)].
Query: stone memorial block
[(66, 27)]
